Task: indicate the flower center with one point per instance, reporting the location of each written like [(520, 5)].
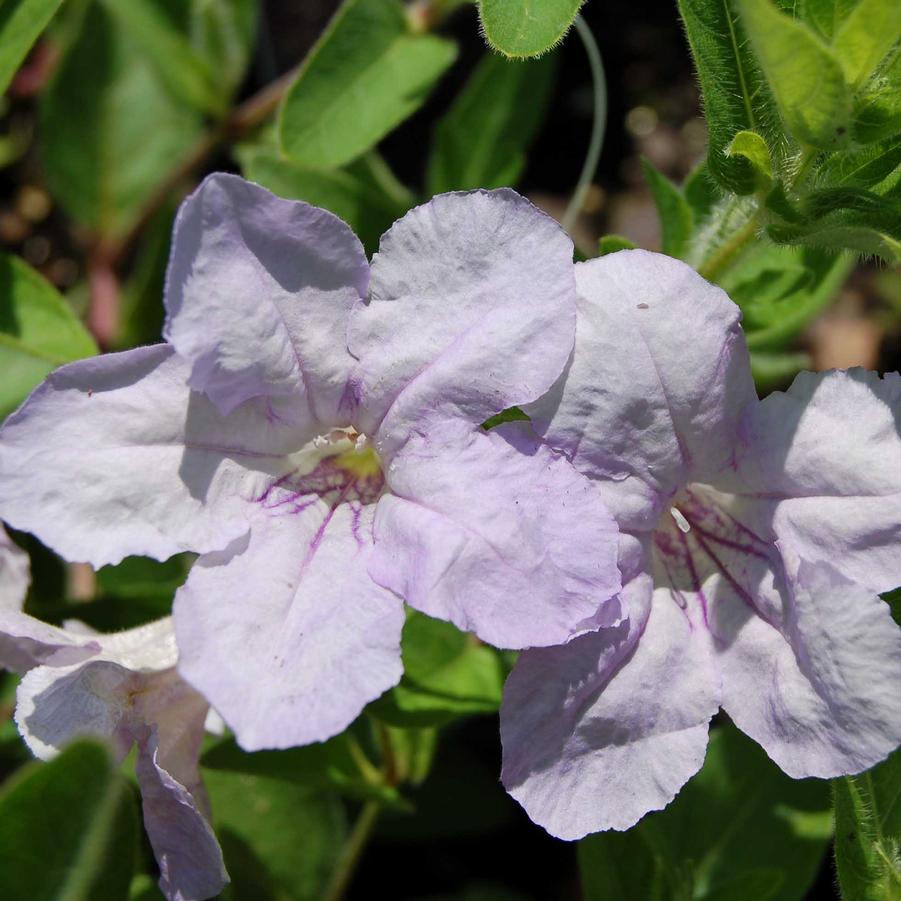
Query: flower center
[(703, 547), (338, 467)]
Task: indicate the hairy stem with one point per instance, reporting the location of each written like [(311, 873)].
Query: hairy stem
[(720, 260), (599, 123)]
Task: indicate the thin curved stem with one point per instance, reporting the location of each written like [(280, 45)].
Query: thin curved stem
[(598, 125), (352, 852)]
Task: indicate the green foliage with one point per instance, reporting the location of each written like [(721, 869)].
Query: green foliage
[(781, 289), (101, 160), (868, 832), (446, 674), (521, 28), (804, 74), (68, 829), (740, 830), (753, 148), (280, 840), (878, 112), (338, 764), (482, 140), (865, 35), (676, 219), (38, 331), (366, 74), (353, 193), (736, 96), (185, 73), (613, 243), (21, 23)]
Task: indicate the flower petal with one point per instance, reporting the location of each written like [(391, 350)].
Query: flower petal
[(185, 847), (26, 642), (258, 292), (823, 694), (57, 704), (114, 456), (824, 460), (472, 308), (286, 634), (609, 727), (15, 574), (658, 382), (496, 533)]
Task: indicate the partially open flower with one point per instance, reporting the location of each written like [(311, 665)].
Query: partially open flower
[(123, 687)]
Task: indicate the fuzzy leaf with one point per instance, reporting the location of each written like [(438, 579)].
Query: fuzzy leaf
[(753, 148), (865, 36), (522, 28), (805, 75), (868, 832), (736, 96)]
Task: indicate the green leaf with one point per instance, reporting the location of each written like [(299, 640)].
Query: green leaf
[(613, 243), (736, 96), (223, 32), (781, 289), (868, 832), (38, 331), (864, 168), (774, 371), (825, 15), (701, 192), (511, 414), (446, 674), (351, 194), (185, 73), (366, 74), (522, 28), (741, 829), (846, 230), (105, 162), (337, 764), (753, 148), (864, 37), (280, 840), (68, 829), (21, 23), (804, 74), (877, 113), (481, 142), (676, 219)]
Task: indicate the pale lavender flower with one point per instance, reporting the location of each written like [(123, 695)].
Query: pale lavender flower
[(122, 687), (756, 538), (312, 428)]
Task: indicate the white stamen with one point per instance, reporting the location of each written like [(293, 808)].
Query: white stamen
[(361, 443), (320, 441), (681, 521)]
